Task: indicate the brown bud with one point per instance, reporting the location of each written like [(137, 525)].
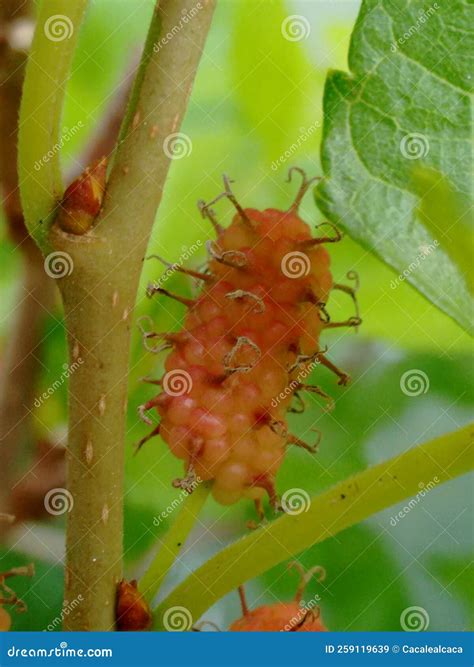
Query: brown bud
[(133, 611), (82, 200)]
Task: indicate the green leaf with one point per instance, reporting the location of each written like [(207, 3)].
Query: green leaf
[(405, 105), (346, 504), (439, 203)]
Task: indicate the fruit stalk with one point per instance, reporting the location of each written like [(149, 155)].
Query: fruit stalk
[(349, 502), (174, 540)]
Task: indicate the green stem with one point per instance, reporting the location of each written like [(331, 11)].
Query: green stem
[(99, 295), (47, 73), (98, 337), (21, 365), (346, 504), (102, 273), (173, 541)]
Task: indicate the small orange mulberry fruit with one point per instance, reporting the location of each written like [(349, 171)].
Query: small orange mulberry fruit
[(248, 342), (283, 616)]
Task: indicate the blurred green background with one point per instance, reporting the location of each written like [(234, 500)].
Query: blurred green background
[(255, 96)]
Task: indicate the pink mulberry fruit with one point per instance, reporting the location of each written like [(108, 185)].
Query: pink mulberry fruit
[(247, 343), (284, 616)]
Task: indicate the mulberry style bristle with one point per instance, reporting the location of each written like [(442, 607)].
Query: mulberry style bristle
[(317, 390), (356, 320), (147, 335), (247, 343), (156, 289), (180, 269), (259, 305), (351, 322), (292, 616), (305, 577), (301, 405), (306, 182), (232, 258), (338, 236), (228, 194), (146, 438), (151, 381), (188, 483), (303, 359), (344, 378), (145, 407), (208, 212), (229, 359), (312, 449)]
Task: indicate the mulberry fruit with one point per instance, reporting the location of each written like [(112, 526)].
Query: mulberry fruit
[(284, 616), (248, 342)]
